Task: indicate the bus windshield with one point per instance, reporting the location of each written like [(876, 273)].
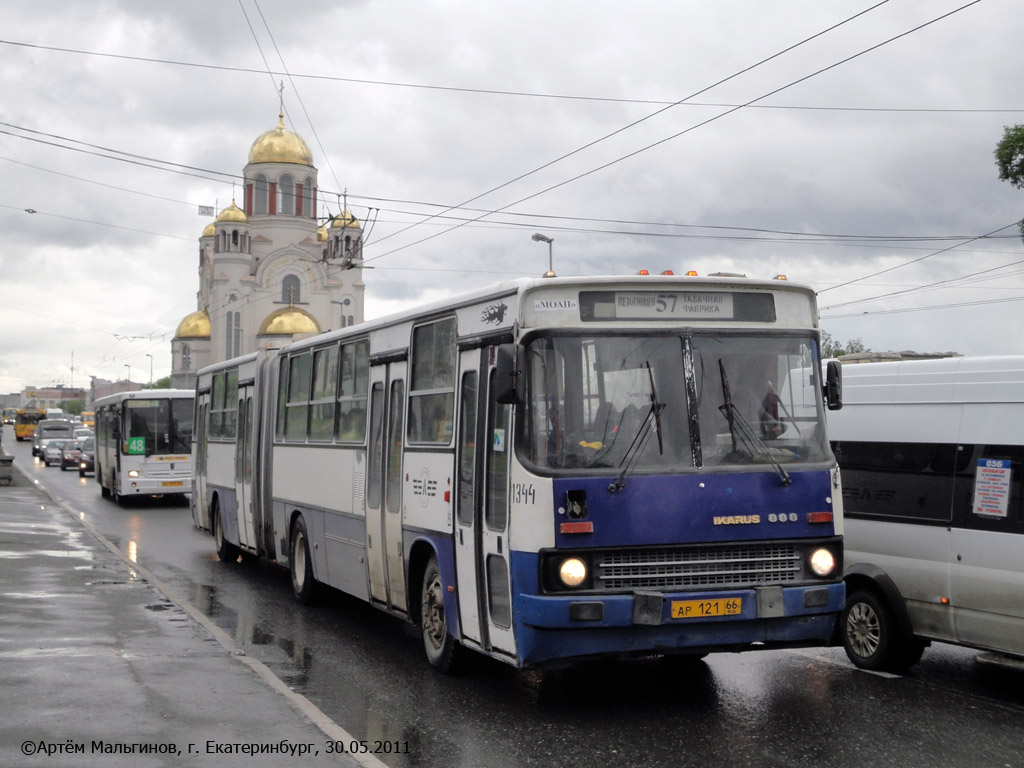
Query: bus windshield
[(157, 427), (605, 402)]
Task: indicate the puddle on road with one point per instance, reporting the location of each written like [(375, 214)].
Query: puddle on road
[(21, 554)]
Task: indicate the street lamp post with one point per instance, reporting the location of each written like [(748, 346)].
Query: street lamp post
[(129, 372), (539, 238), (150, 370)]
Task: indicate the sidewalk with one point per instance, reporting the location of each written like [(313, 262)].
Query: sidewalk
[(99, 668)]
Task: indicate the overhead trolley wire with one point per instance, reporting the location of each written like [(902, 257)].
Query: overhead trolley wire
[(694, 127)]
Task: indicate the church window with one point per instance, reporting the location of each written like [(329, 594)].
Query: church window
[(234, 238), (260, 190), (307, 198), (233, 334), (186, 358), (290, 290), (286, 195)]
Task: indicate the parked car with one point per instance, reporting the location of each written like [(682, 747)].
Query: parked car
[(70, 455), (51, 449), (87, 459)]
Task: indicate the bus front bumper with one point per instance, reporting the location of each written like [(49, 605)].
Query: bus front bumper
[(565, 628)]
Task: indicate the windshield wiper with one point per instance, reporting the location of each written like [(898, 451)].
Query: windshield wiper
[(643, 434), (742, 431)]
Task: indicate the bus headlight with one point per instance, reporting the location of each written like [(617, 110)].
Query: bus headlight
[(822, 561), (572, 572), (133, 473)]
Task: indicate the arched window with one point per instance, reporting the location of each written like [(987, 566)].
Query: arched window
[(286, 195), (290, 289), (186, 357), (307, 197), (234, 239), (259, 201)]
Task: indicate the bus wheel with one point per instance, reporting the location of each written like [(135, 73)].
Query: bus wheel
[(872, 638), (226, 551), (303, 583), (114, 495), (441, 647)]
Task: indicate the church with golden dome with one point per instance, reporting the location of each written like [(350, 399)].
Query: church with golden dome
[(268, 271)]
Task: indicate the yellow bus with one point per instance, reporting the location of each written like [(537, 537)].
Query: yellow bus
[(89, 419), (25, 421)]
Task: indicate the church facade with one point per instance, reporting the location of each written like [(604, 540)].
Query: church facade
[(268, 271)]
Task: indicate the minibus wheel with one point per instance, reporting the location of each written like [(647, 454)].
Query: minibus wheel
[(872, 638)]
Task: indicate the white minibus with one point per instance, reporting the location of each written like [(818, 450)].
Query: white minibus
[(931, 457)]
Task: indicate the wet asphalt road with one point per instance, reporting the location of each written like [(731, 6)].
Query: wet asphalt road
[(366, 671)]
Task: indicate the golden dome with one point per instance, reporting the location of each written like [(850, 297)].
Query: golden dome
[(279, 145), (288, 321), (344, 219), (210, 230), (321, 235), (194, 326), (232, 213)]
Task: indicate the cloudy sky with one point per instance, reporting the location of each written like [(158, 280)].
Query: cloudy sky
[(848, 145)]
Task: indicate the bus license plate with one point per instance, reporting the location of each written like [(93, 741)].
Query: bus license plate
[(172, 483), (702, 609)]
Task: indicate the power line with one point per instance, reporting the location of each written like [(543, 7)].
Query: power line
[(914, 261), (627, 127), (698, 125), (498, 91), (923, 309)]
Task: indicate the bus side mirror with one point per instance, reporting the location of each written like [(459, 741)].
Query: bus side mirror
[(834, 385), (508, 379)]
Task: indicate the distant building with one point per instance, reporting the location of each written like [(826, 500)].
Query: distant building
[(101, 388), (268, 271), (49, 397)]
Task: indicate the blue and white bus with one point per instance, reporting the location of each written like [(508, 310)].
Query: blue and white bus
[(548, 470)]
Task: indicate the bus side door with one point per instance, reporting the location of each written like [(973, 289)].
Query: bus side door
[(384, 545), (243, 466), (468, 497), (199, 502)]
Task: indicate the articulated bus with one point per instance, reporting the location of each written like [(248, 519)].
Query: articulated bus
[(144, 443), (25, 421), (546, 471)]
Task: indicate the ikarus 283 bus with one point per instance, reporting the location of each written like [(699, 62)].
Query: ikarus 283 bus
[(547, 470)]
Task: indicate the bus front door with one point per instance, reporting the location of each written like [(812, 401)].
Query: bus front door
[(384, 545), (482, 525)]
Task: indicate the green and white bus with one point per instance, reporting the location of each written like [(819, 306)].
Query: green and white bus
[(144, 443)]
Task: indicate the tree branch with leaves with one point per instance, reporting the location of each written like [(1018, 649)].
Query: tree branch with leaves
[(1010, 160)]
